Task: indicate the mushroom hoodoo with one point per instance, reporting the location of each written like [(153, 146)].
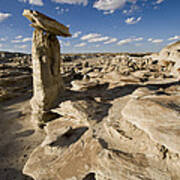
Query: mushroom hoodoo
[(47, 80)]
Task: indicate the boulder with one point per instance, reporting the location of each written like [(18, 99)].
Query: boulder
[(172, 53)]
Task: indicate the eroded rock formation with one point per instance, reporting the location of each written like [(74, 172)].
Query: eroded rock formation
[(171, 53), (47, 81), (118, 119)]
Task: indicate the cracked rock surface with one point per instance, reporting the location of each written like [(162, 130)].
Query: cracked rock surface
[(132, 140)]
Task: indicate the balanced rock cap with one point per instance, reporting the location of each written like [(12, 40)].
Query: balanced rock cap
[(46, 23)]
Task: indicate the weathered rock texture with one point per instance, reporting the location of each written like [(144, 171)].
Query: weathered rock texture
[(15, 75), (119, 120), (159, 116), (172, 53), (47, 82), (97, 138), (41, 21)]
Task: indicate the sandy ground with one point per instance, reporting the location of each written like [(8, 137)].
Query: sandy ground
[(18, 138)]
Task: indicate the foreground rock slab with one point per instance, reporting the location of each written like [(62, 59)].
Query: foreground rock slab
[(74, 153), (113, 148), (75, 144), (159, 116)]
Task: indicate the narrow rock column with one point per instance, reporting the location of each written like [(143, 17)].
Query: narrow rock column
[(47, 81)]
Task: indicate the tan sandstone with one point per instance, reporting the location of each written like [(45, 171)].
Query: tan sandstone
[(47, 81)]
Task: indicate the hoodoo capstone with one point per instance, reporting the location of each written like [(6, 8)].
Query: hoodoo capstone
[(47, 24)]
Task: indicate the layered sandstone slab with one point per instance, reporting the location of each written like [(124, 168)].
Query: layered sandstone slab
[(73, 149), (45, 23), (159, 116)]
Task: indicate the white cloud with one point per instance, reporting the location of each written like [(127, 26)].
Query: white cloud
[(138, 39), (27, 39), (124, 41), (109, 5), (76, 34), (0, 45), (132, 20), (80, 45), (108, 12), (16, 41), (98, 39), (157, 41), (2, 39), (22, 40), (174, 38), (129, 40), (94, 37), (112, 40), (57, 7), (4, 16), (90, 36), (84, 2), (125, 11), (18, 37), (22, 46), (34, 2), (159, 1)]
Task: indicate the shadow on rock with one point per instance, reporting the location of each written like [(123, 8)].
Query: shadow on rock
[(69, 137), (163, 86), (25, 133), (90, 176), (106, 95)]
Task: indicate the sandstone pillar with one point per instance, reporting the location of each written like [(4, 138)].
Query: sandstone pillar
[(47, 81)]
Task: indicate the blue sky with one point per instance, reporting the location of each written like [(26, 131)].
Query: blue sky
[(95, 25)]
